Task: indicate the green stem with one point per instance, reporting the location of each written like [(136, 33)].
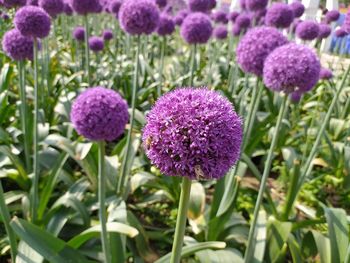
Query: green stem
[(193, 63), (87, 51), (251, 239), (23, 110), (102, 201), (5, 214), (161, 66), (35, 187), (124, 171), (181, 220)]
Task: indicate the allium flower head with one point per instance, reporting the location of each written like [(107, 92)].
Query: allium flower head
[(243, 21), (17, 46), (196, 28), (79, 33), (233, 15), (96, 44), (52, 7), (32, 21), (212, 4), (291, 68), (83, 7), (256, 45), (325, 74), (324, 31), (220, 32), (332, 16), (279, 15), (100, 114), (298, 8), (32, 2), (243, 4), (236, 30), (340, 32), (254, 5), (346, 24), (107, 34), (307, 30), (139, 17), (13, 3), (67, 9), (220, 17), (114, 6), (166, 25), (161, 3), (194, 133), (198, 5)]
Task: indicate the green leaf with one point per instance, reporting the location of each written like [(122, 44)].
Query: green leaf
[(5, 76), (26, 254), (260, 240), (95, 231), (228, 255), (197, 201), (323, 246), (51, 248), (294, 249), (191, 249)]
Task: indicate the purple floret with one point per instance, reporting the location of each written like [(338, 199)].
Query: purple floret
[(166, 25), (100, 114), (83, 7), (96, 44), (220, 17), (324, 31), (79, 33), (212, 4), (298, 9), (325, 74), (107, 35), (307, 30), (256, 45), (255, 5), (332, 16), (33, 21), (196, 28), (17, 46), (139, 17), (193, 133), (279, 15), (198, 5), (243, 21), (52, 7), (291, 68)]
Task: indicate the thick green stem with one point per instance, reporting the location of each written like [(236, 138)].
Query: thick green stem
[(161, 65), (193, 63), (24, 111), (251, 239), (181, 220), (123, 172), (87, 51), (6, 220), (102, 201), (36, 171)]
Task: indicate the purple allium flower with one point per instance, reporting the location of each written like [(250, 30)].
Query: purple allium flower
[(325, 74), (178, 19), (166, 25), (196, 28), (298, 8), (307, 30), (33, 21), (5, 16), (256, 45), (243, 21), (254, 5), (67, 9), (233, 15), (96, 44), (13, 3), (295, 96), (114, 6), (79, 33), (17, 46), (291, 68), (139, 17), (340, 32), (346, 24), (236, 30), (194, 133), (161, 3), (332, 16), (212, 4), (324, 31), (107, 35), (83, 7), (243, 4), (279, 15), (198, 5), (220, 32), (32, 2), (52, 7), (100, 114), (220, 17)]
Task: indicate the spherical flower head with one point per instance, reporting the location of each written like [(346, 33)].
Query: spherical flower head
[(243, 21), (212, 4), (326, 74), (107, 35), (196, 28), (13, 3), (295, 97), (256, 45), (255, 5), (178, 19), (220, 17), (100, 114), (340, 32), (5, 16), (291, 68), (166, 25), (279, 15), (346, 24), (96, 44), (67, 9), (307, 30), (83, 7), (79, 33), (198, 5), (33, 2), (194, 133), (220, 32), (236, 30), (298, 8), (332, 16), (324, 31), (114, 6), (243, 4), (161, 3), (17, 46), (139, 17), (233, 15), (33, 21), (52, 7)]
